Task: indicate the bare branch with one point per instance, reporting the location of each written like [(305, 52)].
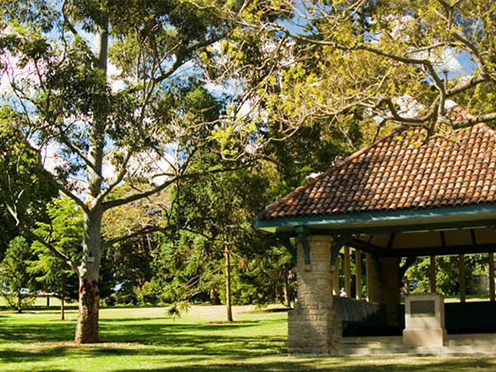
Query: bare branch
[(470, 121), (53, 181), (118, 202), (118, 180), (467, 84), (184, 55), (144, 231)]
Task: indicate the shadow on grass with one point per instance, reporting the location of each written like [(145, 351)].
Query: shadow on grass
[(139, 336), (460, 365), (198, 347)]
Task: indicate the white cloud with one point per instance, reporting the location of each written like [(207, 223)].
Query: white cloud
[(448, 61), (409, 106), (113, 73)]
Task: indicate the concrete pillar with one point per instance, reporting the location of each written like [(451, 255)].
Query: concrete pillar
[(313, 326), (347, 272), (491, 277), (358, 266)]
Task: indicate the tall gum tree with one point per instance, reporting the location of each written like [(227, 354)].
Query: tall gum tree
[(90, 87), (384, 63)]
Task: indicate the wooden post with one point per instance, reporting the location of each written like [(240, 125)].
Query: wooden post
[(368, 273), (432, 275), (461, 262), (335, 278), (358, 265), (347, 272), (491, 277)]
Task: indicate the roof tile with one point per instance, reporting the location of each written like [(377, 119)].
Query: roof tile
[(397, 173)]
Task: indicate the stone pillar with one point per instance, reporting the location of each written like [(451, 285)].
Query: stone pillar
[(383, 285), (335, 278), (313, 326)]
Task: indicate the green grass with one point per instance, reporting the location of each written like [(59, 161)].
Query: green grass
[(149, 340)]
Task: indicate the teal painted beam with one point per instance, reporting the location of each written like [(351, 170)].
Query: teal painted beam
[(462, 214)]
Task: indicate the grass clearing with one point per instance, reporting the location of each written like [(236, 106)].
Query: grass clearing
[(147, 339)]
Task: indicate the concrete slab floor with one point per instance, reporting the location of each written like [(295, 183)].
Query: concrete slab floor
[(454, 345)]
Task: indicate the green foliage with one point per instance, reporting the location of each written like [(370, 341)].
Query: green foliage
[(64, 232), (214, 213), (22, 193), (261, 279), (18, 285), (447, 273), (178, 308), (149, 293)]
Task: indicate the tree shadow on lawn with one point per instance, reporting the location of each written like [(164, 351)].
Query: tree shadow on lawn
[(200, 348), (21, 333), (132, 337), (125, 330), (334, 364)]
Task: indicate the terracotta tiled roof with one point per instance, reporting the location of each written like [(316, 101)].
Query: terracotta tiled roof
[(400, 171)]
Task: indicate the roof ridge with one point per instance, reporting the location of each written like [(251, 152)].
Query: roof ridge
[(356, 154), (487, 128), (463, 111)]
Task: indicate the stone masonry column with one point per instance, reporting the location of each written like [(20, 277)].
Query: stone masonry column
[(313, 326)]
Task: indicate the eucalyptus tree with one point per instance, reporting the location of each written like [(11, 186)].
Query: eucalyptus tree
[(88, 91), (382, 63)]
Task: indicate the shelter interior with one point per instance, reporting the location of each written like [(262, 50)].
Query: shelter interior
[(370, 298)]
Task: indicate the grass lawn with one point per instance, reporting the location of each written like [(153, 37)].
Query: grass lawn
[(147, 339)]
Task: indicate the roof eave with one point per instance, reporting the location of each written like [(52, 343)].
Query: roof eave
[(457, 215)]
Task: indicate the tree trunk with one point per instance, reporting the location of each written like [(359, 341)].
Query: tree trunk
[(62, 297), (89, 292), (227, 256), (19, 304), (89, 270)]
